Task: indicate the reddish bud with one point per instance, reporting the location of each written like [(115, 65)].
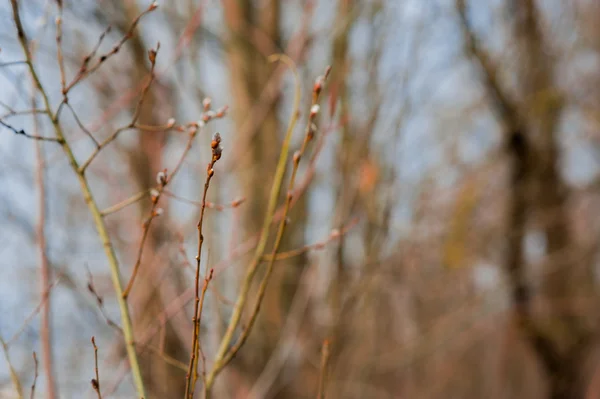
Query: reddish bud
[(222, 111), (152, 56), (206, 103)]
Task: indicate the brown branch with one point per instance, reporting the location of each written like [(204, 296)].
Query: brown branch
[(323, 373), (96, 381), (81, 126), (144, 345), (136, 114), (59, 53), (22, 132), (35, 375), (35, 311), (100, 302), (190, 384), (154, 212), (12, 112), (210, 205), (84, 71), (126, 202), (199, 352), (335, 234), (45, 328)]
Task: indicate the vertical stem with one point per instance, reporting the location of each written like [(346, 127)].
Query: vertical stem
[(45, 331), (94, 210), (323, 374)]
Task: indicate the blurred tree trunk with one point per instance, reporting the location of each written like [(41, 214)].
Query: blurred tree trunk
[(562, 339), (345, 194), (566, 336), (247, 22)]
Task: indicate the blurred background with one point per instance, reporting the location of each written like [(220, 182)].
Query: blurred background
[(445, 232)]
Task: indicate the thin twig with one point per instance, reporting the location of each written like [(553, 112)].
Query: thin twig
[(11, 63), (96, 381), (210, 205), (35, 311), (45, 328), (22, 132), (335, 234), (84, 71), (59, 52), (12, 112), (126, 202), (13, 374), (143, 345), (81, 126), (35, 375), (192, 370), (323, 373), (152, 57), (88, 58), (199, 352), (100, 302), (154, 212)]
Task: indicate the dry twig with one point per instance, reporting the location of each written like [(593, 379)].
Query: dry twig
[(192, 373)]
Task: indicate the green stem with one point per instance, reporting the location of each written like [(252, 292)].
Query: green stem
[(221, 358), (95, 211)]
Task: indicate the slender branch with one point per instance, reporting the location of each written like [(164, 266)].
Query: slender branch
[(81, 126), (59, 52), (92, 54), (92, 205), (210, 205), (171, 361), (11, 63), (154, 212), (126, 202), (22, 132), (12, 112), (35, 375), (192, 370), (45, 328), (199, 353), (84, 71), (100, 301), (323, 374), (167, 359), (335, 234), (152, 57), (96, 381), (13, 374), (160, 128), (35, 311)]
